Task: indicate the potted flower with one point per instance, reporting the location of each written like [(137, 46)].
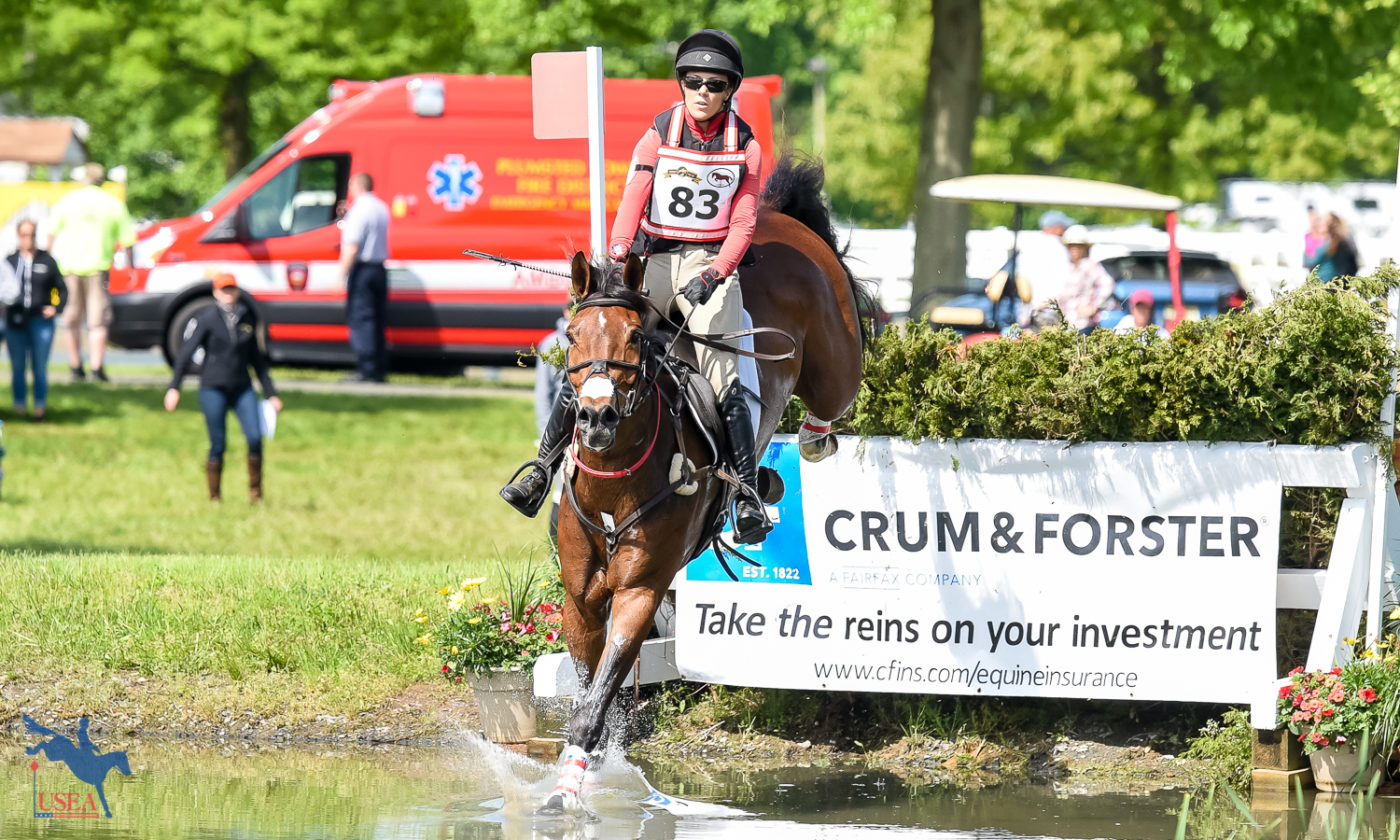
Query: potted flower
[(1346, 717), (491, 644)]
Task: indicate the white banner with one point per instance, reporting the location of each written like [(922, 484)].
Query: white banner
[(1143, 571)]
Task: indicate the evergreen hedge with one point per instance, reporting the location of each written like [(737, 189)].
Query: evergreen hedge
[(1309, 369)]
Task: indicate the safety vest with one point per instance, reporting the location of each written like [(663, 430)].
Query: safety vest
[(692, 192)]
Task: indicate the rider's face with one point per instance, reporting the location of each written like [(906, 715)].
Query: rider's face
[(702, 104)]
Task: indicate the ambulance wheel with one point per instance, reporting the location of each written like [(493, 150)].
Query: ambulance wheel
[(182, 327)]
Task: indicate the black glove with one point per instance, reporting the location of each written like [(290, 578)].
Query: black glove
[(700, 289)]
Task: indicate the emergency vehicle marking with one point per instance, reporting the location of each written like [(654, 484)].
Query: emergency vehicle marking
[(454, 183)]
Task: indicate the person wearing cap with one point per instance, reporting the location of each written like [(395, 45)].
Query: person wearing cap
[(29, 320), (1042, 268), (1088, 287), (85, 229), (689, 207), (227, 330), (1142, 308)]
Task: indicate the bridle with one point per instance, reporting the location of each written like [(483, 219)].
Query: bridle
[(646, 370)]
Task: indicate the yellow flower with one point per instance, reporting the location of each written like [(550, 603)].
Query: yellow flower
[(423, 639), (472, 583), (444, 590), (1347, 641), (455, 601), (420, 619), (1395, 613), (487, 601), (454, 650), (476, 619)]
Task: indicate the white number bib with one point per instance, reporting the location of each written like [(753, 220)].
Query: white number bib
[(692, 192)]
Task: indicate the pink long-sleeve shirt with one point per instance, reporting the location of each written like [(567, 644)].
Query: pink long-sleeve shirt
[(743, 216)]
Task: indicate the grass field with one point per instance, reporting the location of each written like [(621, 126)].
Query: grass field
[(115, 564)]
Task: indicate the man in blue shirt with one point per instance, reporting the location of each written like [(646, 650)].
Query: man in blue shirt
[(364, 246)]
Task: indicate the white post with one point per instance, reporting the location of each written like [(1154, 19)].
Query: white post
[(1381, 489), (597, 196)]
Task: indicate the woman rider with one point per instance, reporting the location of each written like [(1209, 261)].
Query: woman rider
[(689, 207)]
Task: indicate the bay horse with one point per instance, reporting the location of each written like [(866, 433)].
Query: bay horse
[(644, 487)]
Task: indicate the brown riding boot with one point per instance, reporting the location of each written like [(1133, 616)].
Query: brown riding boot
[(214, 473), (255, 478)]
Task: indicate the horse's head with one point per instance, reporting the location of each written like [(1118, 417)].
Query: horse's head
[(119, 762), (608, 348)]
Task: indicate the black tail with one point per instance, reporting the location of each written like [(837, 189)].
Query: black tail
[(795, 189)]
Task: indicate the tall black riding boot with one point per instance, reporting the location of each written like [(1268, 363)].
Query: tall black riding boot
[(527, 494), (751, 523)]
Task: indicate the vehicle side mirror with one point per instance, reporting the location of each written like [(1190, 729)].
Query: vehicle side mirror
[(233, 227)]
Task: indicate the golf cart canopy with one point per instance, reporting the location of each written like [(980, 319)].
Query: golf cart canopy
[(1049, 189)]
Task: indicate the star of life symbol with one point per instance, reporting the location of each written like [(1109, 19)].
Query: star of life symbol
[(454, 182)]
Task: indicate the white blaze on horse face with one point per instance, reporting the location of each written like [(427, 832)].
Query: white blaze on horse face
[(596, 388)]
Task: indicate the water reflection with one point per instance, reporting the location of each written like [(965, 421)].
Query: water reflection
[(253, 792)]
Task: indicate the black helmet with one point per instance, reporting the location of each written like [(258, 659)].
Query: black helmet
[(713, 50)]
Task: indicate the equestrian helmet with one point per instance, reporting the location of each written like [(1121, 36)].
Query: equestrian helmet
[(713, 50)]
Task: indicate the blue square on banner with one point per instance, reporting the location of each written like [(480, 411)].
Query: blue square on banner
[(784, 553)]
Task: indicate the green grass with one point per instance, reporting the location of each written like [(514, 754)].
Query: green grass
[(115, 562)]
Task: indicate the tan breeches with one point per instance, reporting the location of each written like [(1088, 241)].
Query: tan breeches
[(666, 275)]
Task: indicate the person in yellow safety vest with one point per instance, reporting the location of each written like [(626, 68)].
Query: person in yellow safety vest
[(85, 229)]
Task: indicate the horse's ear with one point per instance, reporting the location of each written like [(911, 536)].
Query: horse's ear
[(582, 275), (632, 273)]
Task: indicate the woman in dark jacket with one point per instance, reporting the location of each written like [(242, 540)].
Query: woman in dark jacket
[(29, 321), (228, 331)]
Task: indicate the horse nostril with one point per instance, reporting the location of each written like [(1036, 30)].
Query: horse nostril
[(608, 417), (588, 416)]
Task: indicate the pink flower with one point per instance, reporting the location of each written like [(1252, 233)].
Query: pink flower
[(1319, 739), (505, 626), (1284, 692), (1367, 694), (458, 680), (530, 628), (1296, 671), (445, 669), (1337, 695), (551, 635)]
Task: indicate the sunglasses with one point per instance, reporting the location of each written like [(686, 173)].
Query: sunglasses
[(712, 85)]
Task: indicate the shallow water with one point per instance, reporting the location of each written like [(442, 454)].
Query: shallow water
[(251, 792)]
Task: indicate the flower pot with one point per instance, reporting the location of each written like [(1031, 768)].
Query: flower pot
[(1336, 769), (506, 700)]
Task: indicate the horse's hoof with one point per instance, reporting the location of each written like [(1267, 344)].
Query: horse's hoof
[(559, 804), (818, 450), (770, 486)]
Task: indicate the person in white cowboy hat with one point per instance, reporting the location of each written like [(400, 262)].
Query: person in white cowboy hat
[(1088, 287)]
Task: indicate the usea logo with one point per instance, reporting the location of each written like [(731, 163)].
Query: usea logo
[(85, 762)]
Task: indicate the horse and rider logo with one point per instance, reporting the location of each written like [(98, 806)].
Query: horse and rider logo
[(721, 177), (682, 172), (83, 758)]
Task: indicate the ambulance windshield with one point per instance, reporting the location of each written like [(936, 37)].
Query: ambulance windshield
[(253, 165)]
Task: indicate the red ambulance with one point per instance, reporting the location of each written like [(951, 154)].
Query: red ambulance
[(456, 160)]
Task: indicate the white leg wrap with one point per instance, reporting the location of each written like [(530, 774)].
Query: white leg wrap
[(571, 770), (813, 429)]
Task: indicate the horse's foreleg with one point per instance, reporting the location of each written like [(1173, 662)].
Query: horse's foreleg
[(102, 797), (632, 611)]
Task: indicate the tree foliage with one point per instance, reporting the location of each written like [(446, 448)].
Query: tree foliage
[(1170, 95)]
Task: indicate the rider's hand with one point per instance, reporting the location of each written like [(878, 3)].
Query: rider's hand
[(699, 290), (172, 399), (618, 253), (276, 403)]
